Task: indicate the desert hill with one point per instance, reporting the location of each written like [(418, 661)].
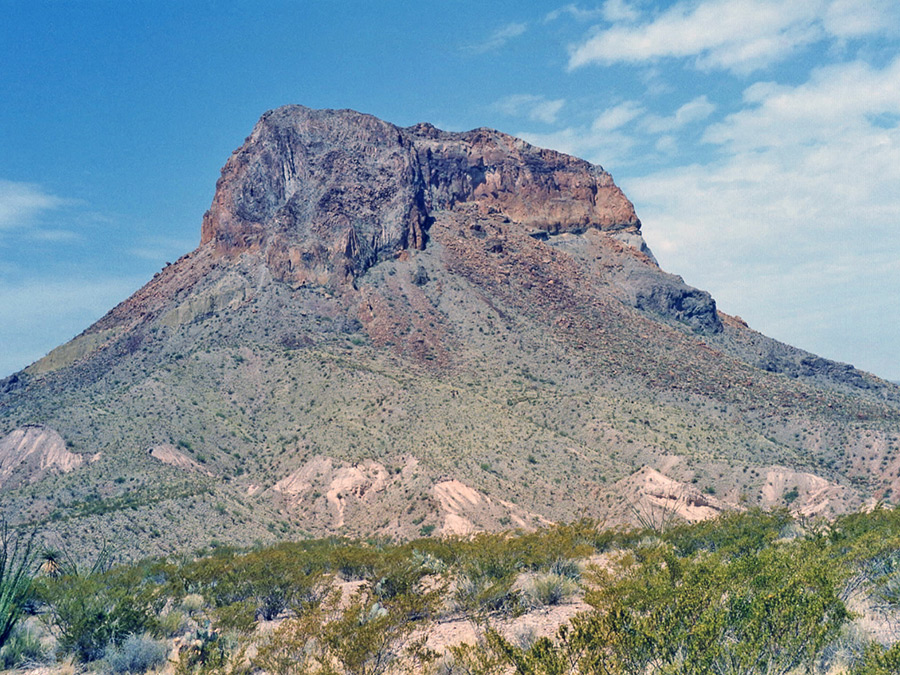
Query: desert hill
[(402, 331)]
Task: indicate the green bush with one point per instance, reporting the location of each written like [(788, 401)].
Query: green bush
[(88, 613), (366, 637), (879, 661)]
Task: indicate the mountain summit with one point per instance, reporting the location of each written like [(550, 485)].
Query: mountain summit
[(325, 194), (404, 331)]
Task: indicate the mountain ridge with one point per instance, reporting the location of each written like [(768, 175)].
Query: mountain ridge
[(406, 311)]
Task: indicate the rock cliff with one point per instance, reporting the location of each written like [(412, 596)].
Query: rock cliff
[(325, 194)]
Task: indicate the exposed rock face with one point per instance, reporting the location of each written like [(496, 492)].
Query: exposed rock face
[(169, 454), (326, 194), (29, 453)]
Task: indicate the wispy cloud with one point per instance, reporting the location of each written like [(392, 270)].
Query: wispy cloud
[(535, 108), (605, 140), (611, 11), (22, 203), (619, 10), (498, 38), (574, 11), (722, 34), (695, 110), (617, 116)]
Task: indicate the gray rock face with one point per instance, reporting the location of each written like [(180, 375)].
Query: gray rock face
[(326, 194), (681, 302)]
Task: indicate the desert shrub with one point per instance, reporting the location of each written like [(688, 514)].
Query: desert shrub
[(548, 589), (355, 563), (136, 654), (477, 659), (879, 660), (88, 613), (273, 579), (397, 576), (772, 610), (767, 611), (570, 569), (23, 649), (846, 650), (732, 533), (428, 562), (478, 593), (366, 637), (173, 623), (239, 617), (193, 603), (209, 652)]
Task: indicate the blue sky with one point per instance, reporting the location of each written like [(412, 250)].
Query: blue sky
[(759, 140)]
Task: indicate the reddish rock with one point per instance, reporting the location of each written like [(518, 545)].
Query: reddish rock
[(325, 194)]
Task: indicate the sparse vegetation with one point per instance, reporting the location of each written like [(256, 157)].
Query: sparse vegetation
[(745, 593)]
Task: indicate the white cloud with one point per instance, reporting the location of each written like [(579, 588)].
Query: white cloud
[(611, 11), (575, 12), (794, 227), (535, 108), (856, 18), (607, 149), (22, 203), (499, 38), (619, 10), (719, 33), (837, 100), (604, 141), (695, 110), (617, 116), (737, 36)]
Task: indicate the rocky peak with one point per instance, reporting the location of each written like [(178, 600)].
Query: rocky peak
[(325, 194)]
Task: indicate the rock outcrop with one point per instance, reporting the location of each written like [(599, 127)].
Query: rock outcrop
[(31, 452), (325, 194)]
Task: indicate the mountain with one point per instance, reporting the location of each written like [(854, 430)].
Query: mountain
[(401, 331)]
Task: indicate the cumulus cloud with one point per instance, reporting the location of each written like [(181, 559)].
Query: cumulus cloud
[(535, 108), (740, 37), (22, 203), (856, 18), (619, 10)]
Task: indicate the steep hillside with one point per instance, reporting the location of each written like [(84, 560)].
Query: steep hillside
[(401, 331)]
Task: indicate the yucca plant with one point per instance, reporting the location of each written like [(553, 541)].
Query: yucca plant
[(16, 560)]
